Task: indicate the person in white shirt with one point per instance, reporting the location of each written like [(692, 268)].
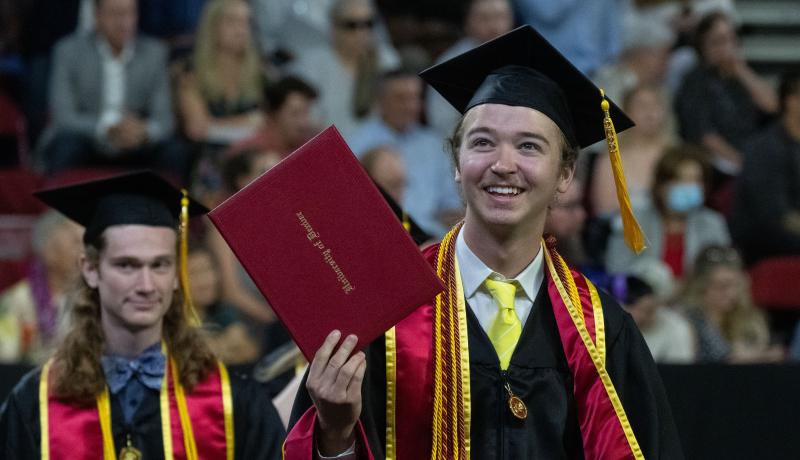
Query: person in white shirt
[(110, 98)]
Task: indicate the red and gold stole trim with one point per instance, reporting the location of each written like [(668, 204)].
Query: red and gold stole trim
[(429, 389), (430, 376), (604, 425), (209, 403)]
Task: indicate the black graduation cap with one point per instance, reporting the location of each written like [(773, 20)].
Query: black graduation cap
[(136, 198), (521, 68)]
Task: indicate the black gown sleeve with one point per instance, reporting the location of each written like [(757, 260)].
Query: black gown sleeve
[(19, 420), (639, 386), (258, 430)]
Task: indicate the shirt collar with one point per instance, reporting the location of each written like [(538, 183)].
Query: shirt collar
[(474, 271), (105, 49)]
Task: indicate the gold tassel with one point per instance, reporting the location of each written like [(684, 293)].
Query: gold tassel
[(634, 237), (189, 311)]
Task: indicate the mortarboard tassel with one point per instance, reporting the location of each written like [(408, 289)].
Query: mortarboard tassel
[(188, 306), (634, 237)]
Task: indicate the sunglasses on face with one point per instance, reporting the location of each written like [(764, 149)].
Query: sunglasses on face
[(356, 24)]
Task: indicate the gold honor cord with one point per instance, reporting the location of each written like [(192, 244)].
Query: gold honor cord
[(450, 396), (634, 237), (44, 415), (464, 345), (188, 306), (391, 394), (227, 409)]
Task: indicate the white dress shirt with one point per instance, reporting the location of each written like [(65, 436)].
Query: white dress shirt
[(474, 272), (113, 99)]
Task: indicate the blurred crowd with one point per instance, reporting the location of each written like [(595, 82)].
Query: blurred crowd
[(212, 93)]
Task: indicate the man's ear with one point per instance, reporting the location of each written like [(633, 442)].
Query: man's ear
[(90, 271), (457, 176), (567, 174)]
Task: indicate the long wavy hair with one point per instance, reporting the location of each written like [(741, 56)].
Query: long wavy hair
[(77, 371), (205, 58), (744, 323)]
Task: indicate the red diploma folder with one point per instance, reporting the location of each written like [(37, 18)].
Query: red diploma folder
[(324, 247)]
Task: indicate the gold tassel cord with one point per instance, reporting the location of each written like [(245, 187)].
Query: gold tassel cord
[(634, 237), (188, 306)]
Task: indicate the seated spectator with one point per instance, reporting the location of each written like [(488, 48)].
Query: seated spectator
[(287, 119), (386, 168), (237, 287), (345, 72), (287, 29), (565, 221), (31, 310), (766, 215), (646, 46), (589, 34), (236, 172), (642, 147), (722, 102), (484, 21), (718, 302), (110, 98), (683, 18), (228, 335), (677, 225), (431, 197), (219, 96), (668, 334)]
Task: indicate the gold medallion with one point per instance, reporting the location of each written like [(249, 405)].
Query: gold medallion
[(130, 453), (518, 408)]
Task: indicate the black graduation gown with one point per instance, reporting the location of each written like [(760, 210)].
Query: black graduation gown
[(539, 374), (258, 431)]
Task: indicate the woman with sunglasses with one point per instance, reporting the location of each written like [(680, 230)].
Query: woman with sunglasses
[(345, 71)]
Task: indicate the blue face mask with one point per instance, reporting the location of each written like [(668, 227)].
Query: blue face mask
[(684, 197)]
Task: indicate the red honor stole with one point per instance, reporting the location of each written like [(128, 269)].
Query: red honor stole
[(428, 399), (428, 374), (83, 432)]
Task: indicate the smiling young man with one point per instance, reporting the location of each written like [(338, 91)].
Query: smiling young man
[(134, 377), (519, 357)]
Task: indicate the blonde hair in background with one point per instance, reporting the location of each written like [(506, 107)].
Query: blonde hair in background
[(744, 324), (205, 57)]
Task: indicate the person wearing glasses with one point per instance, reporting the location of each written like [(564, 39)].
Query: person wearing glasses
[(345, 71)]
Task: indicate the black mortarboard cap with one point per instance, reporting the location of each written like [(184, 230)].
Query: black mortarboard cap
[(521, 68), (143, 198)]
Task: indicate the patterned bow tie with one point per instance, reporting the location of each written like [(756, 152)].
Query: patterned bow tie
[(147, 368)]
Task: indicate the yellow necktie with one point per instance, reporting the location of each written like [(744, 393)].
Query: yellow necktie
[(506, 327)]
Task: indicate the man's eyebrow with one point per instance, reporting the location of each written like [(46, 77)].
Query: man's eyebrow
[(535, 136), (484, 129), (481, 129)]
